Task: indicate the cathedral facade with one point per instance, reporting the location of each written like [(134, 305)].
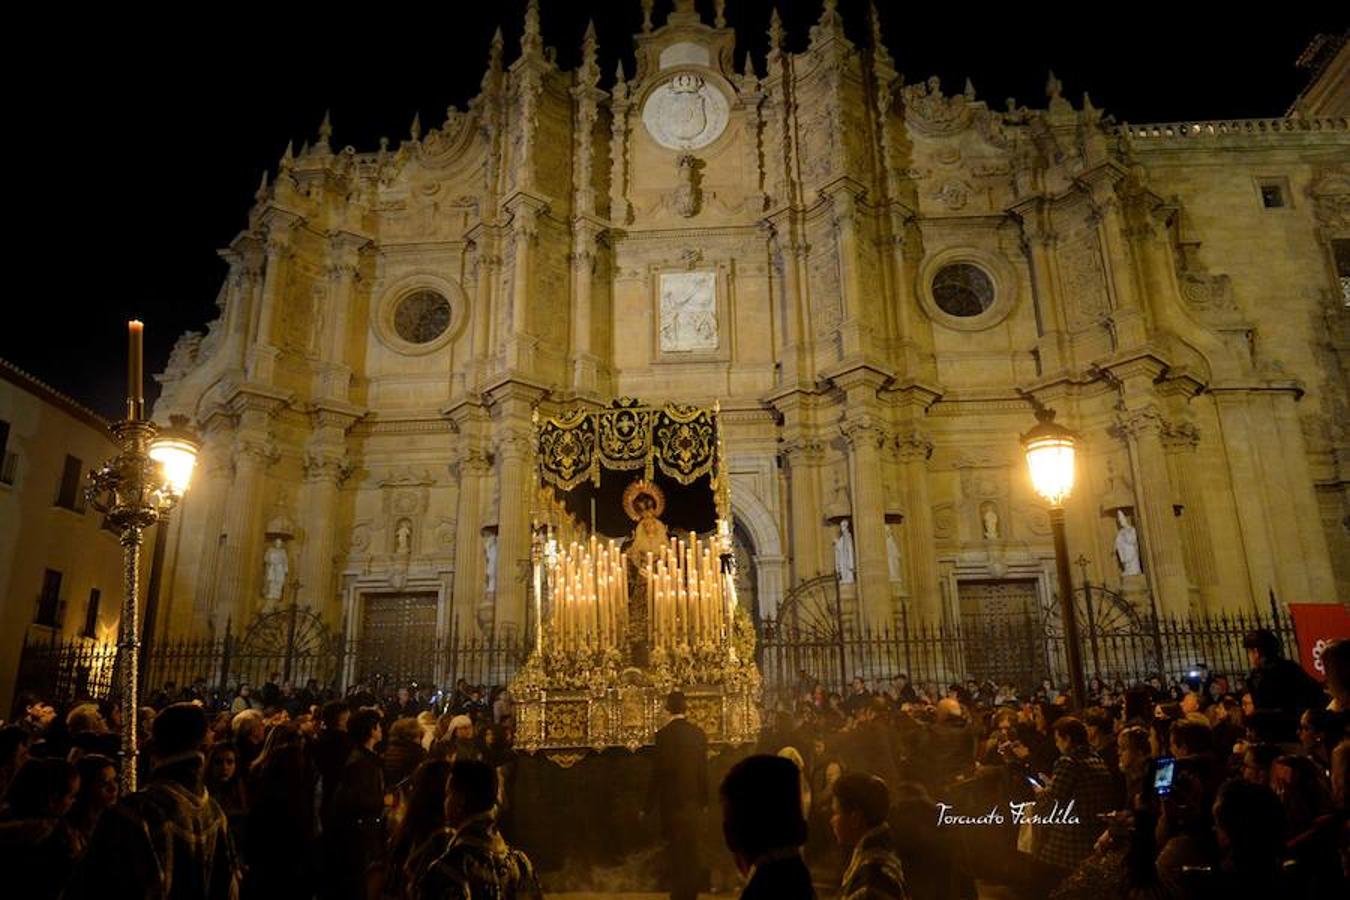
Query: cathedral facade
[(876, 282)]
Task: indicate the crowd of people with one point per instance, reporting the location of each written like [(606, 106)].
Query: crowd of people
[(273, 793), (1212, 787)]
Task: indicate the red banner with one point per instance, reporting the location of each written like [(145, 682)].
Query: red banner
[(1318, 624)]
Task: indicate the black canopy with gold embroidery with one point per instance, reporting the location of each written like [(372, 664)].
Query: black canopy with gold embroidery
[(680, 441)]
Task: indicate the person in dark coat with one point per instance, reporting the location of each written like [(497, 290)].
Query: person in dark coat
[(170, 840), (679, 793), (477, 861), (330, 752), (861, 803), (356, 830), (1276, 682), (764, 829)]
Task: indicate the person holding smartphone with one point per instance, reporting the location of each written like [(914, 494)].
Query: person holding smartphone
[(1079, 790)]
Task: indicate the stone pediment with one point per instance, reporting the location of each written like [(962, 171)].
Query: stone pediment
[(684, 40)]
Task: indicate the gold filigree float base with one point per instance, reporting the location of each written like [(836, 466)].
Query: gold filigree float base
[(626, 709)]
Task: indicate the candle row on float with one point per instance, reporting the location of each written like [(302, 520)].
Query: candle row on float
[(589, 590), (686, 600)]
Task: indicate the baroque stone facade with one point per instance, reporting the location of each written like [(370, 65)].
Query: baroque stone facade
[(875, 280)]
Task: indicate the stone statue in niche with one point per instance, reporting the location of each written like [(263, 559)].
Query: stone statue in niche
[(490, 562), (843, 554), (276, 565), (990, 519), (892, 554), (1127, 545), (403, 537)]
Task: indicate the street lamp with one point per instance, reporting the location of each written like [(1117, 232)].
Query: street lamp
[(1050, 450), (134, 490)]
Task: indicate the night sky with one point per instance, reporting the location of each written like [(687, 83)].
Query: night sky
[(137, 140)]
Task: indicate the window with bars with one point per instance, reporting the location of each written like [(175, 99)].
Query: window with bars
[(8, 461), (49, 601), (1341, 249), (91, 613), (68, 493)]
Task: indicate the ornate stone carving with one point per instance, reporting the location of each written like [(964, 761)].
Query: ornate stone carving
[(1330, 193), (1138, 422), (688, 311), (184, 355), (685, 113), (1180, 436), (913, 445), (1085, 298), (687, 197), (953, 194), (944, 522), (1207, 293), (929, 112)]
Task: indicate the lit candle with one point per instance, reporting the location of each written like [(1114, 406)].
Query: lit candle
[(135, 376)]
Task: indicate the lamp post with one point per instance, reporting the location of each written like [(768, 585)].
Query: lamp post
[(137, 489), (1050, 457)]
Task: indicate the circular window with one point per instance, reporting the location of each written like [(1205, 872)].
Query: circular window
[(963, 290), (421, 317)]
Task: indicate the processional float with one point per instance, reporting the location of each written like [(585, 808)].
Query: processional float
[(623, 619)]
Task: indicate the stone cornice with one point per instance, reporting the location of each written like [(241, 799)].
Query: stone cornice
[(251, 396), (1280, 386), (370, 426)]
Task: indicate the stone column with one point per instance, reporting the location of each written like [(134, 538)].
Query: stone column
[(585, 364), (343, 266), (512, 404), (261, 351), (513, 452), (241, 547), (1313, 561), (1180, 440), (473, 463), (804, 458), (1244, 477), (326, 466), (1128, 319), (854, 328), (804, 454), (1038, 242), (1156, 522), (913, 329), (913, 448), (246, 265), (211, 497), (525, 212), (786, 259), (865, 436)]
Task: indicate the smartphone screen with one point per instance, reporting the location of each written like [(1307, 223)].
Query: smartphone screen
[(1164, 768)]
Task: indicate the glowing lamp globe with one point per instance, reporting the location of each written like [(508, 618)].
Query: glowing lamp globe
[(175, 449), (1049, 448)]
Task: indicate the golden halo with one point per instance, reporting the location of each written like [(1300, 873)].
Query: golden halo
[(642, 487)]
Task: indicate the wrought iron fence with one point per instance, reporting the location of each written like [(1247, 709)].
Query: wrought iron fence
[(289, 643), (1022, 652), (293, 644)]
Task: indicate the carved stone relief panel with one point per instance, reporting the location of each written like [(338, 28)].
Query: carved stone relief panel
[(1084, 279), (686, 112), (688, 311)]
